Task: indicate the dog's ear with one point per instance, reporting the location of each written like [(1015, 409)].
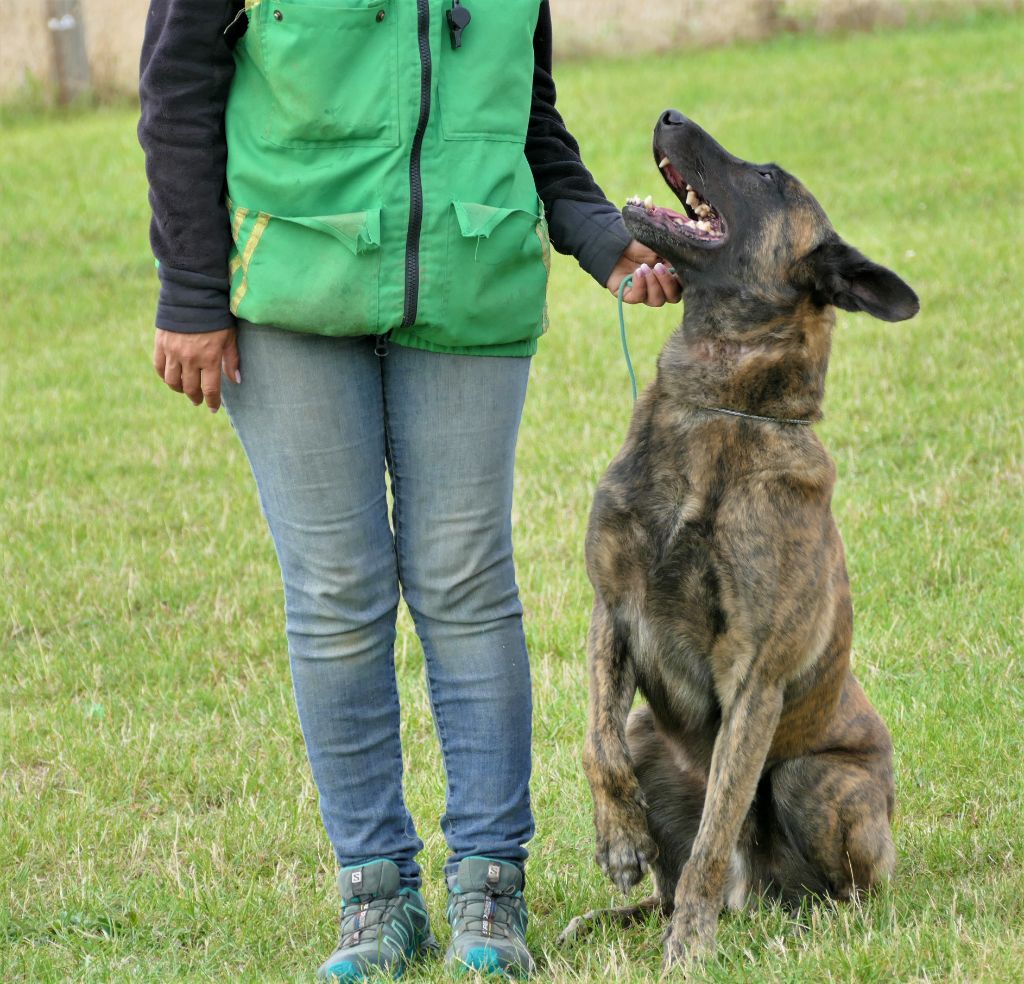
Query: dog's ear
[(841, 275)]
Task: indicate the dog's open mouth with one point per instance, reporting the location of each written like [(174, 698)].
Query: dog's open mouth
[(699, 221)]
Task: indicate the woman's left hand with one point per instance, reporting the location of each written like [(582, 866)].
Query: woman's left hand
[(652, 285)]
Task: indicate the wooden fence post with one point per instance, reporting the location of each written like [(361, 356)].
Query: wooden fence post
[(69, 56)]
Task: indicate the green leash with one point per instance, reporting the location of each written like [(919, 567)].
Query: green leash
[(627, 282)]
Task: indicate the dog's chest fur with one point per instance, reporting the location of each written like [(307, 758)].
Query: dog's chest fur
[(685, 545), (666, 605)]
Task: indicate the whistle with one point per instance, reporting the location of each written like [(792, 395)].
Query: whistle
[(458, 20)]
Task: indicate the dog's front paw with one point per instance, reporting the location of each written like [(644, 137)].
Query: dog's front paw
[(625, 849), (691, 934)]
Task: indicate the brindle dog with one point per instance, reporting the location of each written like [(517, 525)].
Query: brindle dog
[(757, 765)]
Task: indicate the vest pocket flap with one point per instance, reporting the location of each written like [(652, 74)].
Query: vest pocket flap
[(316, 273), (359, 231), (476, 221), (496, 276)]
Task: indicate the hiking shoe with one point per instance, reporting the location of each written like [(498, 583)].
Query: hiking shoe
[(383, 926), (488, 917)]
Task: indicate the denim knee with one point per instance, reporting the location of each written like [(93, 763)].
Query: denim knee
[(456, 587), (330, 617)]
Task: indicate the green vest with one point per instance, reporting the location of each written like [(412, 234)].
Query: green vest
[(376, 177)]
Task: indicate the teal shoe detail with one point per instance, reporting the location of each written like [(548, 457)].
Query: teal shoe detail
[(383, 926), (488, 917), (344, 972), (482, 958)]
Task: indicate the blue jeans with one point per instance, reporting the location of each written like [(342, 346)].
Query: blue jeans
[(320, 419)]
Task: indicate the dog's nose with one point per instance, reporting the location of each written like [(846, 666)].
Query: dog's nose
[(672, 117)]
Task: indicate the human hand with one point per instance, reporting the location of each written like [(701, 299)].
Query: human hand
[(191, 363), (652, 285)]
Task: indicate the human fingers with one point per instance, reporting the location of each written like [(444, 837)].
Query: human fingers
[(192, 362), (159, 355), (210, 383), (172, 374), (191, 382), (637, 292), (655, 292), (230, 361), (670, 285)]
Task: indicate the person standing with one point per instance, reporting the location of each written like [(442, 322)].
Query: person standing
[(353, 202)]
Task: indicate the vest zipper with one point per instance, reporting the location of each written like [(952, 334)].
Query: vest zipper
[(412, 244)]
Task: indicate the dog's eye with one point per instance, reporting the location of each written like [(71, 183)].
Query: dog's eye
[(767, 175)]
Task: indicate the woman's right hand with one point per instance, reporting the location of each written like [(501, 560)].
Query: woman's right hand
[(191, 363)]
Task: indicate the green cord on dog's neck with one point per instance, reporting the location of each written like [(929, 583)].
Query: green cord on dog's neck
[(627, 282)]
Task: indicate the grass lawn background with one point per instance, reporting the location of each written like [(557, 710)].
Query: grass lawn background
[(158, 820)]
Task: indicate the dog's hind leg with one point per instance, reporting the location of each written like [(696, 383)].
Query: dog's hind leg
[(624, 845), (832, 836), (831, 814)]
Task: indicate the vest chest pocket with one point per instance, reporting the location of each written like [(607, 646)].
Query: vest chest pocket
[(485, 86), (332, 71)]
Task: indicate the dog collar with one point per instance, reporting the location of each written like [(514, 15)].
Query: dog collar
[(754, 416), (626, 283)]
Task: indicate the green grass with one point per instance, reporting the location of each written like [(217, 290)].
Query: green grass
[(158, 819)]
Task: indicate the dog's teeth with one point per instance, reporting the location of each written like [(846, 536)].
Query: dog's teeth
[(691, 199), (703, 210), (664, 163), (649, 203), (704, 226), (679, 222)]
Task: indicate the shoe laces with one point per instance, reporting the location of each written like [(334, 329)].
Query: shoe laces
[(496, 918), (361, 921)]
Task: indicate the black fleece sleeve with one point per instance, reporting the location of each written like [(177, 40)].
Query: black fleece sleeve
[(581, 219), (184, 78)]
